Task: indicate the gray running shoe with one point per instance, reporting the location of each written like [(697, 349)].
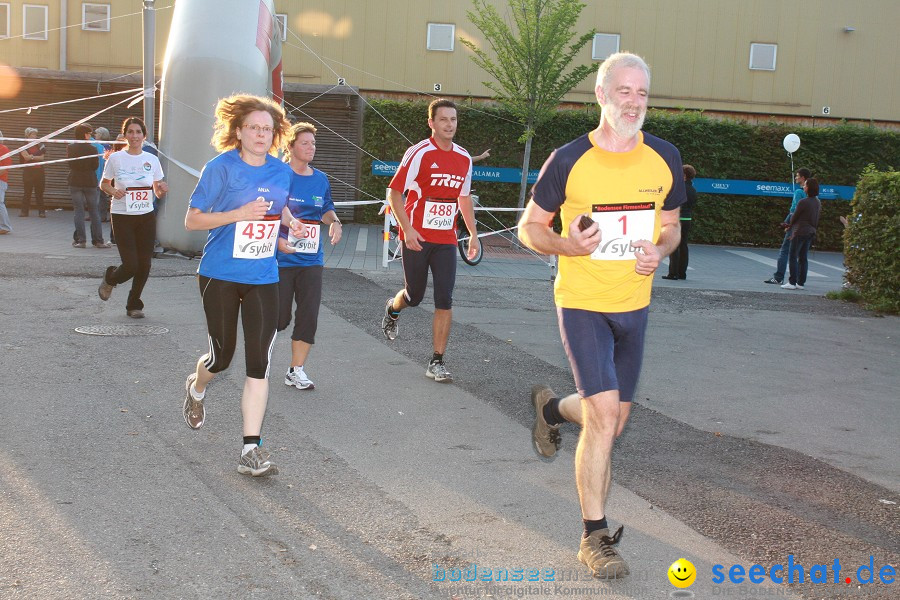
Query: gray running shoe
[(256, 463), (598, 554), (544, 437), (194, 411), (105, 289), (438, 371), (388, 323)]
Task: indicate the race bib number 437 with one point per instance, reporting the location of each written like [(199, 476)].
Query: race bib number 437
[(620, 225), (138, 199), (439, 215), (256, 239)]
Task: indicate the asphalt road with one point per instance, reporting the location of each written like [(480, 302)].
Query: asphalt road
[(765, 427)]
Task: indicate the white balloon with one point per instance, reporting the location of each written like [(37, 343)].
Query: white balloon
[(791, 142)]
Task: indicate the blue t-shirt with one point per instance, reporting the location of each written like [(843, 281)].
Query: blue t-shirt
[(227, 183), (799, 195), (102, 161), (310, 199)]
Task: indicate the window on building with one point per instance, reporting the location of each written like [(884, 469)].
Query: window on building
[(762, 56), (94, 17), (34, 22), (4, 20), (441, 36), (605, 44), (281, 19)]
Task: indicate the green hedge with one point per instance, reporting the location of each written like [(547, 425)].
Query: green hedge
[(872, 238), (719, 149)]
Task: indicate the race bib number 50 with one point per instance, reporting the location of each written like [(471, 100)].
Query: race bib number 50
[(256, 239), (620, 225), (138, 199), (439, 215), (308, 242)]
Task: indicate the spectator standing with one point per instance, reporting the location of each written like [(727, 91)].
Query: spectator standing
[(101, 134), (33, 176), (800, 178), (83, 188), (5, 226), (678, 261), (803, 225)]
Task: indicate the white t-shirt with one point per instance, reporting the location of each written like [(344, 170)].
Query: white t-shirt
[(134, 171)]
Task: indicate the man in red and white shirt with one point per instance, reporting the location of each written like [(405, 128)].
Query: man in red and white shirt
[(436, 176)]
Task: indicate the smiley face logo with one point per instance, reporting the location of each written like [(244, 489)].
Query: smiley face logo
[(682, 573)]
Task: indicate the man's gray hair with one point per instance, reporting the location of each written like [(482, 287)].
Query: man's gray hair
[(30, 130), (101, 133), (619, 59)]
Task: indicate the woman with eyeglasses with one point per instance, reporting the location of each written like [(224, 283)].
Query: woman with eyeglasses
[(131, 177), (240, 199)]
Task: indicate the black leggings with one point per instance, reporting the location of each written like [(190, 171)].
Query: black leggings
[(258, 306), (135, 236)]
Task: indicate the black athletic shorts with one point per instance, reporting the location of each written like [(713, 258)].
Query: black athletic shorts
[(441, 259), (304, 284)]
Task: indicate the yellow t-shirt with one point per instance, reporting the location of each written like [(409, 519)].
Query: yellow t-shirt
[(624, 192)]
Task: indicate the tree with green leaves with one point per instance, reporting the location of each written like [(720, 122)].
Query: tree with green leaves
[(529, 60)]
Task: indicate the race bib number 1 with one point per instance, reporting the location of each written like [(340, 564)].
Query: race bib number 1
[(620, 225), (138, 199), (439, 215), (256, 239), (308, 242)]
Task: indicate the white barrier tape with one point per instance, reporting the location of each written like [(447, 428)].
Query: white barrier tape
[(46, 162), (36, 106), (61, 141), (358, 202), (499, 209), (178, 163), (67, 127)]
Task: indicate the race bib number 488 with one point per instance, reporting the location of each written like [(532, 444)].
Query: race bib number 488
[(620, 225), (439, 215), (256, 239), (138, 199)]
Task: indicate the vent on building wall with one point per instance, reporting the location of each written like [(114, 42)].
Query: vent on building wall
[(762, 56), (605, 44), (95, 17), (441, 37)]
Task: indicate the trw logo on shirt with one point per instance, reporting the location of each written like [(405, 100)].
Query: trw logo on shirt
[(447, 180)]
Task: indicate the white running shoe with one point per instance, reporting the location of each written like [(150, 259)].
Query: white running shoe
[(788, 286), (438, 371), (296, 377)]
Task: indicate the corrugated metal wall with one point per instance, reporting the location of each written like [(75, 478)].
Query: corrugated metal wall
[(338, 117)]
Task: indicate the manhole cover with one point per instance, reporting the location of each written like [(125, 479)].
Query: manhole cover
[(121, 330)]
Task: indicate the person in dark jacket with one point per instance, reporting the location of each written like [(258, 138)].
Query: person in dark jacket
[(83, 188), (802, 226), (678, 261)]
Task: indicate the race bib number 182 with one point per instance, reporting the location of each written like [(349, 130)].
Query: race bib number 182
[(138, 199), (620, 225), (256, 239)]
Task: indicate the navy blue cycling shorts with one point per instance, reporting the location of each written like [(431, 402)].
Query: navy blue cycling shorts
[(605, 350)]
